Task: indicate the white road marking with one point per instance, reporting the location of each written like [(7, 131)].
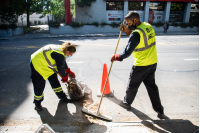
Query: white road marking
[(74, 62), (190, 59)]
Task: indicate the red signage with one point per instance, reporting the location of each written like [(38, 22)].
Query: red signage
[(159, 0)]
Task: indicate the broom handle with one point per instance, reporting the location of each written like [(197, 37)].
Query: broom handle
[(109, 73)]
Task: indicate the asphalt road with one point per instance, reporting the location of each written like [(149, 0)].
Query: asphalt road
[(177, 77)]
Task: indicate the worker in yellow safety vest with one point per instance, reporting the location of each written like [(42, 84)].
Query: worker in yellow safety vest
[(142, 45), (45, 64)]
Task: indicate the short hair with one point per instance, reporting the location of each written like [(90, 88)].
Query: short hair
[(131, 15), (67, 46)]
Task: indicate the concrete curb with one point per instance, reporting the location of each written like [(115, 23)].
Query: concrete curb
[(45, 35), (109, 35)]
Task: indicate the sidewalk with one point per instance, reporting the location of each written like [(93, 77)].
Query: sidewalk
[(45, 34), (17, 113)]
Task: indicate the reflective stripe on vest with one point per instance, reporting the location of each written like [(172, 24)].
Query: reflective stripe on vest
[(145, 42), (45, 56), (41, 60), (145, 52)]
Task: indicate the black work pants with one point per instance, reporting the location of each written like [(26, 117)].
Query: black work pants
[(145, 74), (39, 85)]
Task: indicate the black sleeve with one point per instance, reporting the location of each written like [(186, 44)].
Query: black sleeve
[(60, 63), (134, 40)]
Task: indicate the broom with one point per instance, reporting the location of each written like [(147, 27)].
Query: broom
[(97, 113)]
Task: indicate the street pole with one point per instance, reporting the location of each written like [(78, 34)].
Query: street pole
[(67, 12)]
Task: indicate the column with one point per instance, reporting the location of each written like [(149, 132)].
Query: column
[(125, 8), (67, 12), (146, 11), (167, 11), (186, 16)]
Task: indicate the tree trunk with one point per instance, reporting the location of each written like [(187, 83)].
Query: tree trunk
[(27, 12)]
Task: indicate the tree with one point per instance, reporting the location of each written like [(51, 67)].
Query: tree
[(18, 7), (8, 12), (57, 9), (82, 3)]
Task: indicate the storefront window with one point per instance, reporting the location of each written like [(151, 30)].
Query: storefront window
[(138, 7), (156, 12), (176, 12), (156, 6), (132, 5), (114, 11), (194, 13), (115, 5)]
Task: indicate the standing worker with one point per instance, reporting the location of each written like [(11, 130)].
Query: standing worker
[(142, 45), (45, 63)]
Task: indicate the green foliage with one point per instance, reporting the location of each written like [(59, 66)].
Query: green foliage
[(30, 29), (114, 24), (72, 7), (13, 8), (184, 25), (12, 26), (95, 24), (3, 26), (196, 24), (87, 23), (135, 6), (177, 7), (57, 9), (82, 3), (39, 22), (54, 24), (75, 24), (6, 26), (174, 24), (30, 23), (35, 22), (158, 24), (103, 24), (191, 25)]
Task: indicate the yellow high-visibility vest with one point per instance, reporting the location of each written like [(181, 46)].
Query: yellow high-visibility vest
[(145, 52), (42, 60)]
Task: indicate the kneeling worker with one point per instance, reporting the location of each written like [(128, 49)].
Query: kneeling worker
[(44, 64), (142, 45)]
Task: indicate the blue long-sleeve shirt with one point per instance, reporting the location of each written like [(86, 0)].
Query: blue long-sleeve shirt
[(60, 63), (134, 40)]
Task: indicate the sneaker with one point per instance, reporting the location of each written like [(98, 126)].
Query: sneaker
[(162, 116), (38, 107), (124, 105)]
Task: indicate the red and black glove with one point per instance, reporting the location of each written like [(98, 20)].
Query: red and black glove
[(115, 57), (70, 72), (65, 79)]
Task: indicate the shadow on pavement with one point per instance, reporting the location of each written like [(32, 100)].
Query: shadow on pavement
[(162, 126), (66, 121)]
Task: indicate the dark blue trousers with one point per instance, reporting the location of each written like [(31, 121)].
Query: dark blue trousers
[(39, 85), (145, 74)]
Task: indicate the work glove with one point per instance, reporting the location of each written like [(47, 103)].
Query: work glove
[(115, 57), (70, 72), (125, 29), (65, 79)]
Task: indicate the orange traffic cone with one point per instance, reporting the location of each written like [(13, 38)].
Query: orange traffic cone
[(107, 91)]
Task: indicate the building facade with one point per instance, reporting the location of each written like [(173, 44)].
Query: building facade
[(151, 11)]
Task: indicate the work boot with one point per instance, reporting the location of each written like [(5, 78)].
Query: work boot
[(162, 116), (124, 105), (65, 98), (38, 106)]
